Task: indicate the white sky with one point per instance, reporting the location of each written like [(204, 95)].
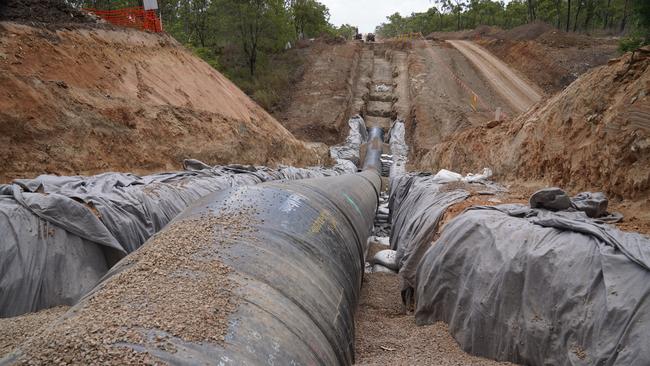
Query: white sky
[(367, 14)]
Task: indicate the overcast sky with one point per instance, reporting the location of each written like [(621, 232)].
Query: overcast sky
[(367, 14)]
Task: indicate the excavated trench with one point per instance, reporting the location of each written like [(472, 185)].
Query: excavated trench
[(260, 276), (280, 272)]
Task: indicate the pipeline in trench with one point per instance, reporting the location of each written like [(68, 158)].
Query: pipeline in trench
[(291, 257)]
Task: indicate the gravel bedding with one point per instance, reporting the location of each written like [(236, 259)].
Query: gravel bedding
[(16, 330), (385, 335), (174, 286)]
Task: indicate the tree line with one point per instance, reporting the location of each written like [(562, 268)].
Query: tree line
[(630, 17), (252, 42), (248, 30)]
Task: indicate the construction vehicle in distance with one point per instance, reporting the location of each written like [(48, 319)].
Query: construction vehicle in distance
[(357, 36), (370, 37)]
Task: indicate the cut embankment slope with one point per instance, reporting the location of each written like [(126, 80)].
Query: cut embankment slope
[(85, 99), (594, 135)]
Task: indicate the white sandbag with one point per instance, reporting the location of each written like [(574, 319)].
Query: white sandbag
[(387, 258)]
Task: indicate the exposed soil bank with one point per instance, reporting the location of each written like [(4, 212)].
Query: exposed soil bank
[(321, 102), (442, 82), (550, 58), (595, 135), (86, 100)]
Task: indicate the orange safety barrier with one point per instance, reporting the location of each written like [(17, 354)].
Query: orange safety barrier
[(136, 17)]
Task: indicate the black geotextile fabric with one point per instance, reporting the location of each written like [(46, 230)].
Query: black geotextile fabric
[(537, 287), (61, 234)]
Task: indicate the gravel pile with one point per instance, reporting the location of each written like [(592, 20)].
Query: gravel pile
[(16, 330), (174, 286)]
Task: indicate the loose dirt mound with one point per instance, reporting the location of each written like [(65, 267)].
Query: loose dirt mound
[(595, 135), (43, 11), (14, 331), (82, 101), (555, 59)]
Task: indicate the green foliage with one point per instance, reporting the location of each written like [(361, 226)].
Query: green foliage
[(310, 18), (206, 54), (600, 16), (247, 40), (630, 43), (345, 30), (642, 8)]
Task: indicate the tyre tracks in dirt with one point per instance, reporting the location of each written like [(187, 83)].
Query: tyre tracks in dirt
[(447, 94), (518, 92)]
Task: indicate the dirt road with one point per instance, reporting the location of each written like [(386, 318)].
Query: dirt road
[(518, 92), (442, 82)]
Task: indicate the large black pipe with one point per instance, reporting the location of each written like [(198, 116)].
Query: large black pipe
[(295, 253), (374, 149)]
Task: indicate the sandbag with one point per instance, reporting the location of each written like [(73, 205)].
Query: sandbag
[(593, 204), (378, 268), (537, 287), (398, 148), (41, 264), (386, 258)]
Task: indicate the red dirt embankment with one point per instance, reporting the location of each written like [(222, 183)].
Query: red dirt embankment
[(321, 101), (594, 135), (86, 99)]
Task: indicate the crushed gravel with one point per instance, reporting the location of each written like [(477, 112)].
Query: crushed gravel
[(174, 286), (16, 330), (386, 336)]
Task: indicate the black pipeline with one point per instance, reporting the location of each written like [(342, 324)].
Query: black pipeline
[(374, 149), (296, 259), (300, 272)]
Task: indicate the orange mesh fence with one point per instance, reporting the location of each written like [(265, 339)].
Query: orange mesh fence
[(137, 18)]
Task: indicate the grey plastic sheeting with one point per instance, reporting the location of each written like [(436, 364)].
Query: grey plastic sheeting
[(398, 148), (357, 135), (297, 264), (416, 206), (61, 234), (538, 287)]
